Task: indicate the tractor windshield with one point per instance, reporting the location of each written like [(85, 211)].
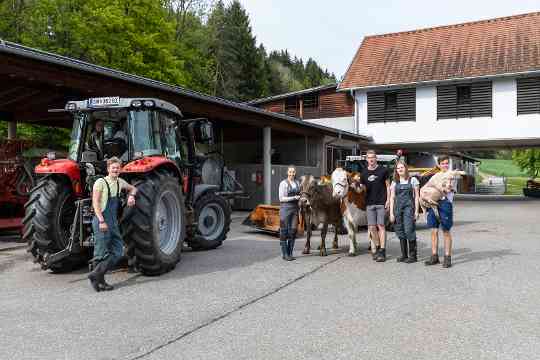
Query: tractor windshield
[(145, 132)]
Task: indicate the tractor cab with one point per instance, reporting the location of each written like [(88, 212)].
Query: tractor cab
[(129, 129)]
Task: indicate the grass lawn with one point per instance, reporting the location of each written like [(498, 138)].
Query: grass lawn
[(516, 179), (501, 168), (515, 185)]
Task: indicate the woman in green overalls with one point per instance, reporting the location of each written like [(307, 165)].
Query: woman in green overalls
[(404, 208), (108, 247)]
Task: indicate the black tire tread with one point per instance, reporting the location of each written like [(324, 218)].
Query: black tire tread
[(210, 245), (137, 227), (38, 223)]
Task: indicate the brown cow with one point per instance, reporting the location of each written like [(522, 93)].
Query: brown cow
[(319, 206)]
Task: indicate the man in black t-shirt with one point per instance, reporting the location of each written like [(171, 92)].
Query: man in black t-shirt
[(375, 178)]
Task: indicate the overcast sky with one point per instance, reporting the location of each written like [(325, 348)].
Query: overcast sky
[(331, 31)]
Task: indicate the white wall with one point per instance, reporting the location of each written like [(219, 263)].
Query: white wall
[(341, 123), (504, 125)]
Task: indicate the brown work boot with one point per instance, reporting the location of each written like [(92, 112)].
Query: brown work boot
[(433, 260)]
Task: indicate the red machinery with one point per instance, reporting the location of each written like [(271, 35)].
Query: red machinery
[(16, 180)]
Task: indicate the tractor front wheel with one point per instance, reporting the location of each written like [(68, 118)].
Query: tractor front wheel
[(213, 216)]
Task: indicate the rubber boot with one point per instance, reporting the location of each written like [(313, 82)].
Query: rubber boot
[(382, 256), (376, 253), (284, 253), (290, 248), (447, 262), (433, 260), (97, 276), (404, 253), (412, 253), (109, 265)]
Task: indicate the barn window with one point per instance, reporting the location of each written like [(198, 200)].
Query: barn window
[(397, 105), (291, 104), (528, 96), (464, 100), (463, 95), (390, 101), (311, 101)]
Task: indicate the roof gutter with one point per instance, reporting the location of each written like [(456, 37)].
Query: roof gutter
[(39, 55), (443, 81)]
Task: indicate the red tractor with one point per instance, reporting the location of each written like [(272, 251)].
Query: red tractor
[(158, 148)]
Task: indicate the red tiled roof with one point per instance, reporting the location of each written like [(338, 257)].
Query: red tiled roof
[(481, 48)]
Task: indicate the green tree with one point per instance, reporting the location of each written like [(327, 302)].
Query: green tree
[(528, 160), (130, 35), (15, 18)]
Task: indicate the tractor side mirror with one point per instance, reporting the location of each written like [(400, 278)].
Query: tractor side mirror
[(204, 132)]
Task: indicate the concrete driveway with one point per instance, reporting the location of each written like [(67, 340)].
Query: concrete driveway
[(242, 301)]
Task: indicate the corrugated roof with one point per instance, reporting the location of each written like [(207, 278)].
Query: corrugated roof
[(486, 48), (293, 93), (24, 51)]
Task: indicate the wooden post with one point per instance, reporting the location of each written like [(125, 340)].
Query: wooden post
[(267, 164), (12, 130)]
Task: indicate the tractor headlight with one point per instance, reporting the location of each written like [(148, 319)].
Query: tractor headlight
[(149, 103), (136, 103), (71, 107), (51, 155)]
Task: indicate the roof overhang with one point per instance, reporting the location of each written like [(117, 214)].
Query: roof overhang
[(252, 115), (380, 87), (291, 94)]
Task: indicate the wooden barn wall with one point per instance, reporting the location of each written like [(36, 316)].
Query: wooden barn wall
[(277, 106), (331, 105)]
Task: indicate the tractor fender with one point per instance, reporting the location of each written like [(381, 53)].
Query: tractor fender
[(64, 168), (150, 164), (202, 189)]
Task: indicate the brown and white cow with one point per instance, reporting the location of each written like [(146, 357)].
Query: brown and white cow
[(318, 206), (352, 196)]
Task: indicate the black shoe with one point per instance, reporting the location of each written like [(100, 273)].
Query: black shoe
[(432, 261), (382, 256), (289, 258), (404, 257), (447, 262), (412, 253)]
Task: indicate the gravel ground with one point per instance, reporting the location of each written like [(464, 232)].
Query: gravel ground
[(242, 301)]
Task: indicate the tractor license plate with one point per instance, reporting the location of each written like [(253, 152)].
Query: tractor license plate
[(104, 101)]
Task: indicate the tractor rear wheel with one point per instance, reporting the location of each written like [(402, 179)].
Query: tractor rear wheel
[(213, 216), (155, 228), (49, 213)]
